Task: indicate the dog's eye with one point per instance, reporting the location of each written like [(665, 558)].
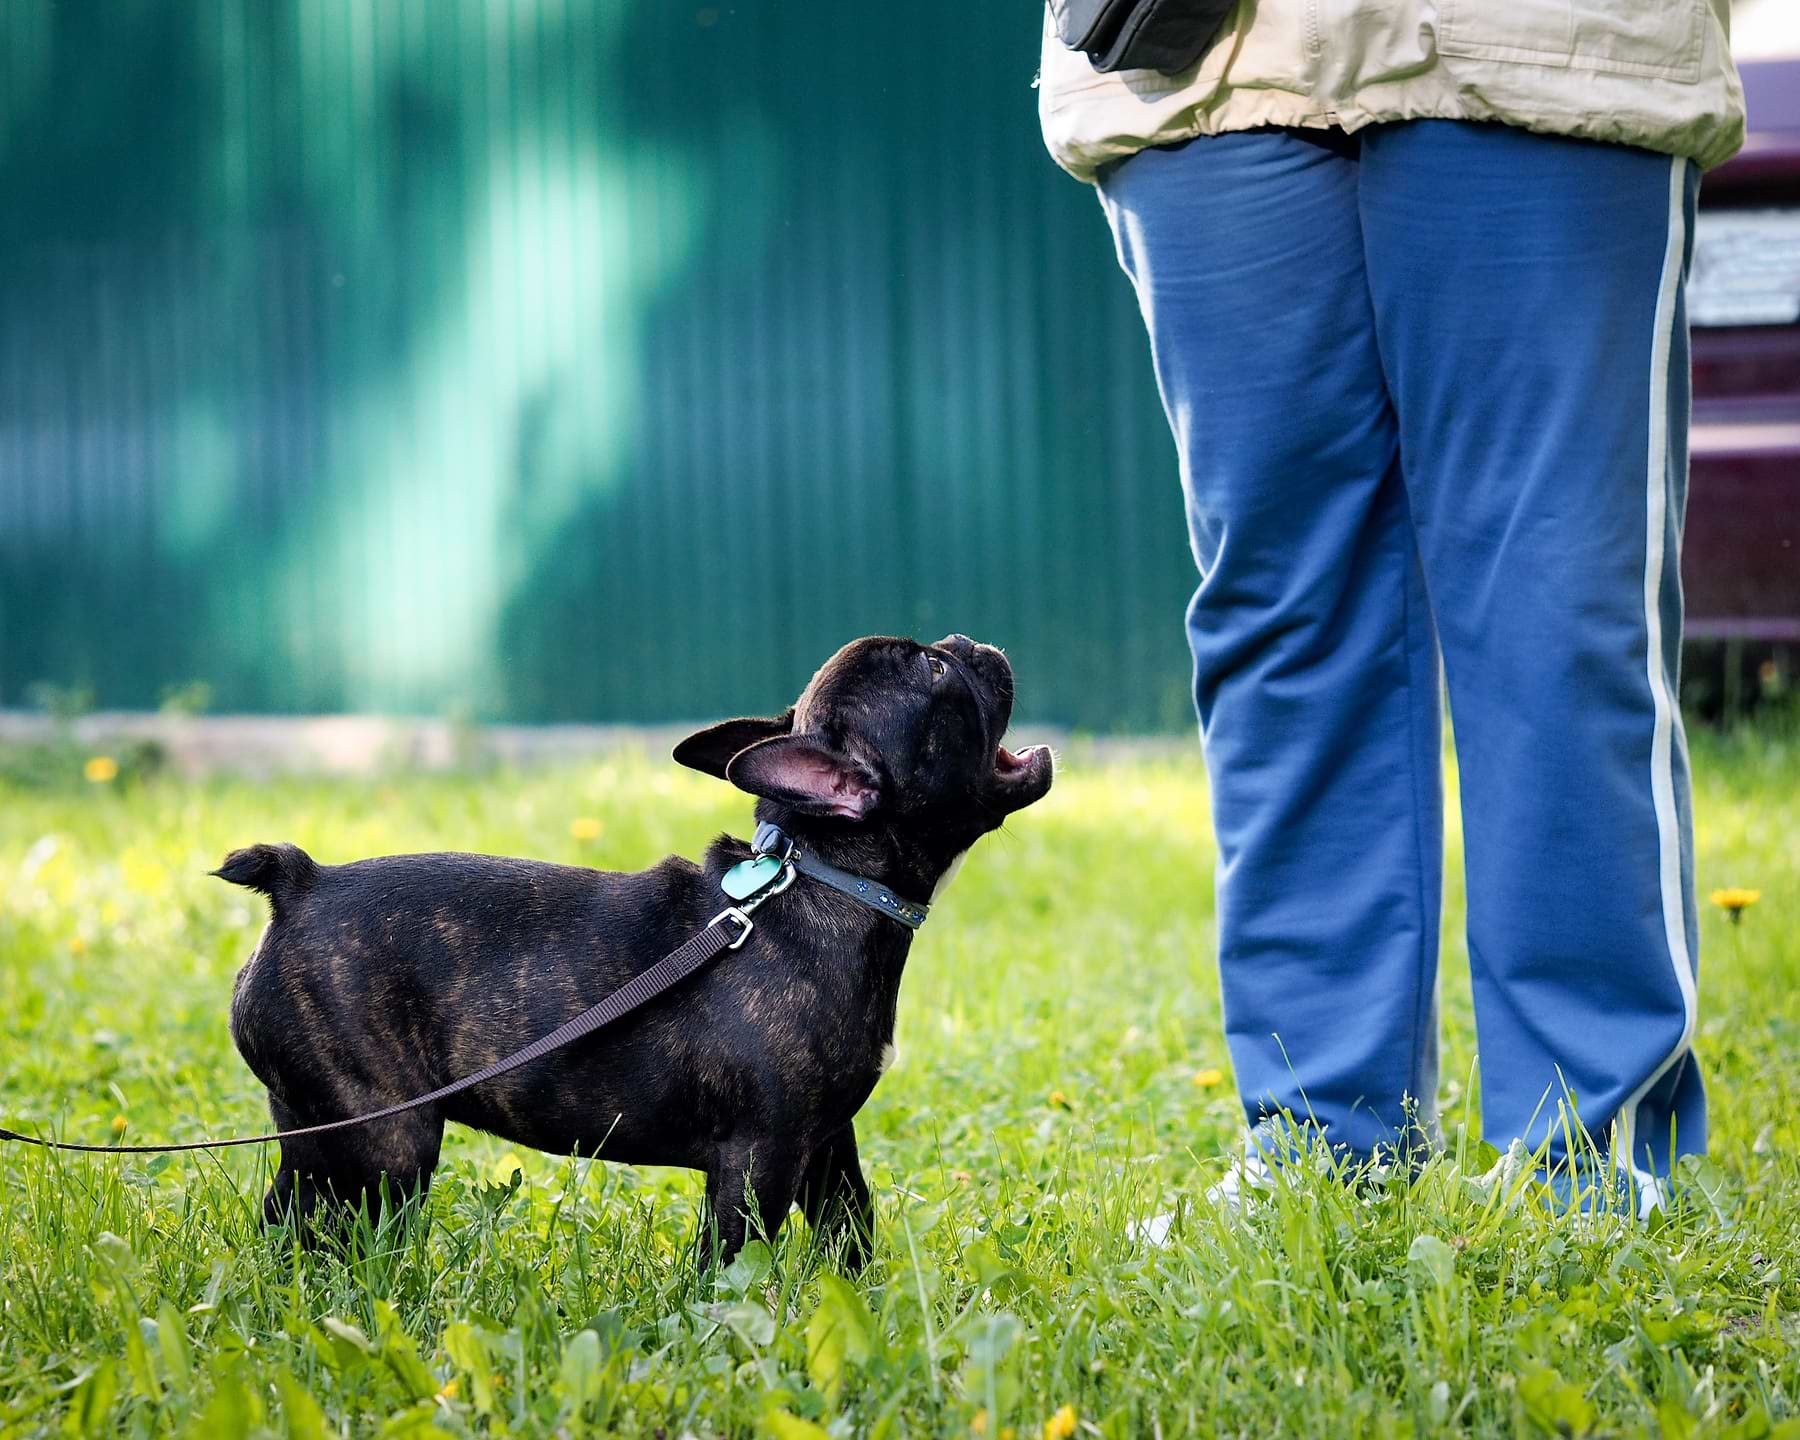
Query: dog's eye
[(938, 668)]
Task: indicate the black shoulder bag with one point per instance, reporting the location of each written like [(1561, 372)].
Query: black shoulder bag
[(1165, 35)]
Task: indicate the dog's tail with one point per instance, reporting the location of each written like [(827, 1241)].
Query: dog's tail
[(278, 871)]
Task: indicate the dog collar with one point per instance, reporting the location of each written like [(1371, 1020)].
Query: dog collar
[(775, 850)]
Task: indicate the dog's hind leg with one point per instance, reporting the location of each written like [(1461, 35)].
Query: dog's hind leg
[(298, 1188), (762, 1178), (835, 1198), (329, 1178)]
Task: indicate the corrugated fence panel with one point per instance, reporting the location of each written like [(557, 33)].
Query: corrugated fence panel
[(562, 360)]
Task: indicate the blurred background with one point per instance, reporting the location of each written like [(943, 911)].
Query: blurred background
[(555, 361)]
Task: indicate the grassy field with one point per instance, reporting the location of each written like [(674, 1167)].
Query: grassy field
[(1061, 1075)]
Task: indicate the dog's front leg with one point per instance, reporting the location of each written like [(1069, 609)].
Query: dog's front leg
[(750, 1186), (834, 1197)]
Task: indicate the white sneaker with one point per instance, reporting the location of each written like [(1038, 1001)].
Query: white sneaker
[(1154, 1232), (1246, 1180), (1504, 1173), (1643, 1192)]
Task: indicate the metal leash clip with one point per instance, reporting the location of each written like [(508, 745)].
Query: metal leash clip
[(775, 887), (732, 912), (741, 912)]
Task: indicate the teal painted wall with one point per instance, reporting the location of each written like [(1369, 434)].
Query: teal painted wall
[(561, 360)]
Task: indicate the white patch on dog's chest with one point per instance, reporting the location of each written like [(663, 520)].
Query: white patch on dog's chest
[(890, 1054), (944, 880)]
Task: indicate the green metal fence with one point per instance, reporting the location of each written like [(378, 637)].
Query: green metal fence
[(561, 360)]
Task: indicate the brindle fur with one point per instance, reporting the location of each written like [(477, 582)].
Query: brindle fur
[(381, 979)]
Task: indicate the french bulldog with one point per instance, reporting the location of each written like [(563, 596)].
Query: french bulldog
[(386, 978)]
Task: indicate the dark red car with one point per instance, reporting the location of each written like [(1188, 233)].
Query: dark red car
[(1741, 562)]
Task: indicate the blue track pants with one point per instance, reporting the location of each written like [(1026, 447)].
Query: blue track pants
[(1429, 387)]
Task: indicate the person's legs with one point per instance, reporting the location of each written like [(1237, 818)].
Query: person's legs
[(1315, 667), (1528, 299)]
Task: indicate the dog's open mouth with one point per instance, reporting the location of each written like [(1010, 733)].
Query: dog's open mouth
[(1007, 763), (1022, 778)]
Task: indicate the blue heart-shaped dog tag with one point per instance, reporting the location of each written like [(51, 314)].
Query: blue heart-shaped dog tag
[(748, 876)]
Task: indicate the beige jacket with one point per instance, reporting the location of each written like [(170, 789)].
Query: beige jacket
[(1653, 73)]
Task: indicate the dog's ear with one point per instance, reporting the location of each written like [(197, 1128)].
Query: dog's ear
[(710, 750), (802, 771)]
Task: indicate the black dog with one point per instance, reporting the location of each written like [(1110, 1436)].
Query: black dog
[(383, 979)]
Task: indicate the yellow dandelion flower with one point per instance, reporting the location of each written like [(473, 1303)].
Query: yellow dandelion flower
[(505, 1168), (1061, 1425), (979, 1425), (1208, 1077), (1059, 1100), (119, 1124), (1734, 901), (100, 769), (1734, 898), (77, 945), (451, 1386), (584, 827)]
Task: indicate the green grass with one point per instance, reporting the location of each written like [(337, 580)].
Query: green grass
[(1058, 1023)]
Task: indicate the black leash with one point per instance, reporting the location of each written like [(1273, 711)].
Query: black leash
[(770, 871), (672, 969)]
